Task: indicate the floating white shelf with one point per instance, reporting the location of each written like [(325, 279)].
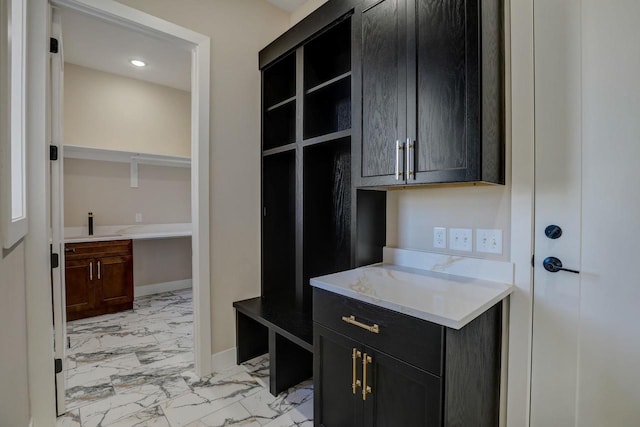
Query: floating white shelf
[(133, 158)]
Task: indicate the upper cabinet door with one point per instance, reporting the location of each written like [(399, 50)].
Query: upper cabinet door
[(443, 111), (432, 81), (383, 92)]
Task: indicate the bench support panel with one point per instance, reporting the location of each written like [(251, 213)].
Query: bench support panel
[(289, 365), (252, 338)]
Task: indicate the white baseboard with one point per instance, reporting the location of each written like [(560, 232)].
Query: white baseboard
[(223, 360), (157, 288)]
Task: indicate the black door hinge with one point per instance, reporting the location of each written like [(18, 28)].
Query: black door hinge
[(533, 257), (53, 152), (53, 45), (57, 364), (55, 261)]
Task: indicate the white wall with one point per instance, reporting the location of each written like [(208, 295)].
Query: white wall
[(104, 110), (238, 30), (414, 212), (161, 260), (305, 9), (163, 195), (14, 393)]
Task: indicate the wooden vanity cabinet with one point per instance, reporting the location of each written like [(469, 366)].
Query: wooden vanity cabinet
[(417, 373), (98, 278)]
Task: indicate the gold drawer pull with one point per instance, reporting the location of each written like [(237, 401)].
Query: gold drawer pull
[(352, 320), (366, 360), (355, 383)]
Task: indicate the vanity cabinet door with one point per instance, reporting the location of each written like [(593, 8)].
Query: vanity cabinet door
[(401, 394), (337, 402), (114, 280), (358, 386), (79, 287)]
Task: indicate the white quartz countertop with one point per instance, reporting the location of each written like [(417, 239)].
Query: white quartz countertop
[(126, 232), (441, 298)]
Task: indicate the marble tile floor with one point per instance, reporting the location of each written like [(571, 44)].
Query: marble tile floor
[(135, 368)]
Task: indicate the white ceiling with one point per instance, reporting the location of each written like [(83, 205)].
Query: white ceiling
[(104, 46), (288, 5)]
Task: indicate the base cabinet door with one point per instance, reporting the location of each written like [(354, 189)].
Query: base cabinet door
[(357, 386), (337, 396), (115, 280), (80, 286), (400, 394)]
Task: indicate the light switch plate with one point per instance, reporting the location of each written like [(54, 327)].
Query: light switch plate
[(440, 237), (489, 241), (461, 239), (138, 217)]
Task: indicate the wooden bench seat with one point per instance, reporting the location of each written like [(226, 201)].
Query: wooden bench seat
[(271, 326)]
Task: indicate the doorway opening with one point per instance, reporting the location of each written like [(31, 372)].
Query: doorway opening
[(136, 147)]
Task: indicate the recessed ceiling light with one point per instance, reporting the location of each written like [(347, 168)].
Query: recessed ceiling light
[(138, 63)]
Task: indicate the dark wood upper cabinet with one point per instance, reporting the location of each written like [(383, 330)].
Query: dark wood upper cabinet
[(384, 91), (432, 92)]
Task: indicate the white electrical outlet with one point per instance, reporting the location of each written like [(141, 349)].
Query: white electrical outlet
[(461, 239), (440, 237), (489, 241), (138, 217)]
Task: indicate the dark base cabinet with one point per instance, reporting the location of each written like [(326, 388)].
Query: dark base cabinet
[(98, 278), (363, 379), (400, 394)]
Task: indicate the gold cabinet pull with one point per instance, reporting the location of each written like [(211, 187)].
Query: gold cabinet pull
[(91, 270), (366, 360), (99, 268), (352, 320), (410, 151), (355, 383)]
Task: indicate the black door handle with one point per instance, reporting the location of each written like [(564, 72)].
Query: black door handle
[(553, 265), (553, 231)]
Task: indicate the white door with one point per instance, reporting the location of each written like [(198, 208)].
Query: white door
[(586, 325), (57, 218)]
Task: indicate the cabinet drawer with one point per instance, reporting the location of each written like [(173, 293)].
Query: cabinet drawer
[(413, 340), (92, 249)]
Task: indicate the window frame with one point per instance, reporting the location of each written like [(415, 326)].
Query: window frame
[(13, 150)]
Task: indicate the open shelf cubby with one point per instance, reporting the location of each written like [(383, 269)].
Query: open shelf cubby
[(328, 109), (327, 210), (279, 126), (328, 55), (279, 81), (278, 226)]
